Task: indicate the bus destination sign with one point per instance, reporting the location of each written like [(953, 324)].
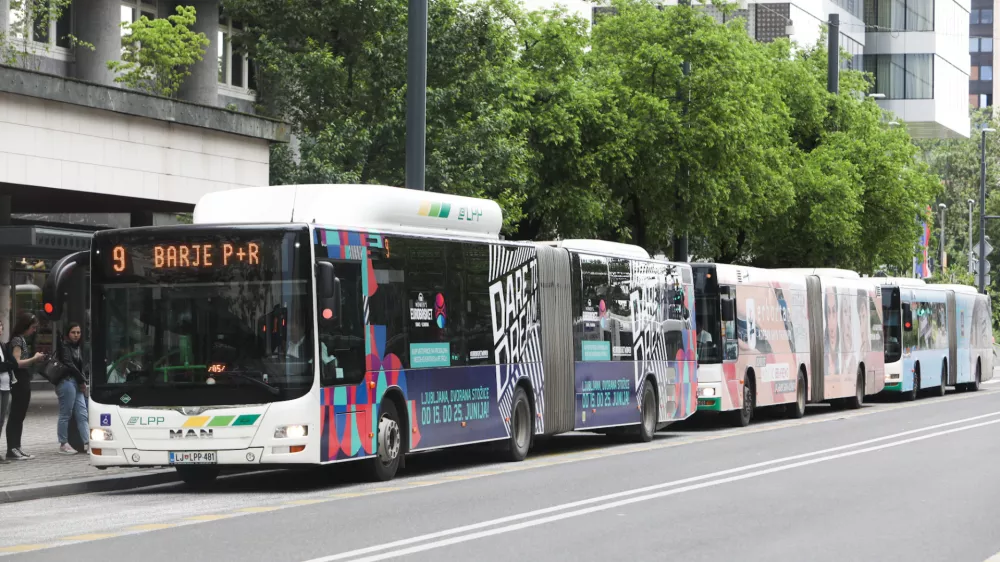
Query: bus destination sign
[(187, 256)]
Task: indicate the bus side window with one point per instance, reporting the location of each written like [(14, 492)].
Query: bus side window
[(342, 340), (732, 347)]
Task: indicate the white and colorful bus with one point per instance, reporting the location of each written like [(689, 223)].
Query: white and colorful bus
[(937, 336), (784, 337), (314, 324)]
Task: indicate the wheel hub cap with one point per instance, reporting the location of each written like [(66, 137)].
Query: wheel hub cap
[(388, 440)]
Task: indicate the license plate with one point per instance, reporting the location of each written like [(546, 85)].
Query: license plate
[(194, 457)]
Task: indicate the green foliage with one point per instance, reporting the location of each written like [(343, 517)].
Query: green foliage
[(28, 16), (597, 132), (156, 54)]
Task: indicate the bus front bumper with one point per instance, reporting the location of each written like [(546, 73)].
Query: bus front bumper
[(709, 397), (104, 457)]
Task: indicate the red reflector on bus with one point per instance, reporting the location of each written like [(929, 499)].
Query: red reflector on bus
[(48, 308), (327, 314)]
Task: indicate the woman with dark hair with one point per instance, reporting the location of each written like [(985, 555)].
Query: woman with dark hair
[(20, 392), (71, 389)]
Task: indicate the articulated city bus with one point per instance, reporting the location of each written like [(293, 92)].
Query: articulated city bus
[(322, 323), (937, 335), (758, 347)]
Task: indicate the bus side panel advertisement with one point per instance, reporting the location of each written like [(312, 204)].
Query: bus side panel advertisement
[(605, 394)]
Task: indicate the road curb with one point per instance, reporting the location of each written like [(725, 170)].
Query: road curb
[(114, 483)]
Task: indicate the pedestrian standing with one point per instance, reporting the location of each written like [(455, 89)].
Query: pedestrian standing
[(20, 392), (72, 390), (7, 367)]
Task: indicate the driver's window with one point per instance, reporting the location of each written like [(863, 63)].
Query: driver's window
[(342, 340)]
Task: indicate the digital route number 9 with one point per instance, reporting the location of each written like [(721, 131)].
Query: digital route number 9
[(118, 253)]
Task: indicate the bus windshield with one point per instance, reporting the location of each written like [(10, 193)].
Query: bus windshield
[(708, 318), (192, 316), (891, 313)]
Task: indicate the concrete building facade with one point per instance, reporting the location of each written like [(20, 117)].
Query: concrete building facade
[(79, 153)]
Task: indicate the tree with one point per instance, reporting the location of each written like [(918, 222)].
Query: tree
[(156, 54), (337, 71)]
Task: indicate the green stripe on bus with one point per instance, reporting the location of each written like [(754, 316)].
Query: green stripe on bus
[(221, 421), (246, 419), (435, 209), (445, 210)]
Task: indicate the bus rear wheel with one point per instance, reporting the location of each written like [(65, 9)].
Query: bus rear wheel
[(858, 399), (977, 382), (944, 380), (385, 463), (798, 409), (648, 413), (521, 427), (198, 477)]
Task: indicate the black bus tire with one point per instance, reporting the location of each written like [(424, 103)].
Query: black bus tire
[(797, 409), (389, 444), (648, 416), (521, 427)]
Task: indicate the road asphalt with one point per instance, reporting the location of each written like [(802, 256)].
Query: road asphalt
[(892, 481)]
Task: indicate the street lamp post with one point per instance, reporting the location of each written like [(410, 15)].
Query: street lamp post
[(982, 208), (943, 208), (972, 255)]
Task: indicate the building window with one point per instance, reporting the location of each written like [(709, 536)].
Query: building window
[(983, 15), (974, 100), (980, 44), (234, 66), (45, 31), (900, 15), (986, 73), (134, 10), (902, 76), (985, 100)]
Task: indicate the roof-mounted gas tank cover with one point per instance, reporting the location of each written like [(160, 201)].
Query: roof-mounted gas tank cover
[(601, 247), (349, 206)]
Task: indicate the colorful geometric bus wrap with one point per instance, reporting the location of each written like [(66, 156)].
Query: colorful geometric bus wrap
[(456, 372)]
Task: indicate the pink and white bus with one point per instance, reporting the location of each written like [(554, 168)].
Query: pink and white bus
[(784, 338)]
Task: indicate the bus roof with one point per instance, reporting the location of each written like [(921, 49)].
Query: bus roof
[(601, 247), (967, 289), (899, 281), (824, 272), (352, 206), (729, 274)]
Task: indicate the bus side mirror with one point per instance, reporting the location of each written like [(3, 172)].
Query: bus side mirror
[(907, 318), (55, 287), (728, 310), (328, 291)]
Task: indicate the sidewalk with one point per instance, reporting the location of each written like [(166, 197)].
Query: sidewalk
[(50, 474)]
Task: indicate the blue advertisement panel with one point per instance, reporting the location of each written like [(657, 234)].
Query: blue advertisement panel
[(605, 394), (455, 405)]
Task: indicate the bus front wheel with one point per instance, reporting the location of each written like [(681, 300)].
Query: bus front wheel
[(198, 477), (798, 408), (389, 451), (742, 417)]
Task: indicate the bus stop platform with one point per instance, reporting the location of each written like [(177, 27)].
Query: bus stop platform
[(51, 474)]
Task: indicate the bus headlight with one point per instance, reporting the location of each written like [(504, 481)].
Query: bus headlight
[(98, 434), (705, 392), (291, 431)]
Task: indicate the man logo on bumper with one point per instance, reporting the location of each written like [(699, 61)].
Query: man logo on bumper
[(191, 434)]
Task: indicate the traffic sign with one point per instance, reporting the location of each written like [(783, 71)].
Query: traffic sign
[(986, 266), (988, 249)]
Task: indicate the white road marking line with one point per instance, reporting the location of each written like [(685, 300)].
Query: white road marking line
[(710, 476)]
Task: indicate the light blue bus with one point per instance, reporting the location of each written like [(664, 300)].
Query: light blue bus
[(935, 336)]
